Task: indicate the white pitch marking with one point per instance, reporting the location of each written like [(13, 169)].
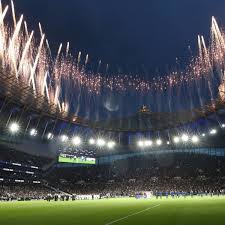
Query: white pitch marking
[(133, 214)]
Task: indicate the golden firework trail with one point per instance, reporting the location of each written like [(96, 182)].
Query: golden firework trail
[(30, 60)]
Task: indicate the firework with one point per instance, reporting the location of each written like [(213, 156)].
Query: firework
[(57, 78)]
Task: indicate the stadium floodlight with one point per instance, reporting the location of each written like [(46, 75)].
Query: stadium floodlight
[(76, 141), (33, 132), (148, 143), (158, 141), (213, 131), (195, 139), (91, 141), (176, 139), (100, 142), (14, 127), (203, 135), (64, 138), (50, 136), (111, 144), (223, 125), (141, 144), (184, 138), (168, 143)]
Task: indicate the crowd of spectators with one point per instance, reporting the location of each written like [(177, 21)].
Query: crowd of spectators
[(165, 173), (24, 192), (21, 175), (10, 155), (161, 174)]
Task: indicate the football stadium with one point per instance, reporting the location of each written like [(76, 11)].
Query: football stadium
[(85, 142)]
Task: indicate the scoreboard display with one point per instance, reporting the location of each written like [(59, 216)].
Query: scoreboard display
[(65, 158)]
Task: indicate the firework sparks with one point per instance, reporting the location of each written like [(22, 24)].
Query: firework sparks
[(31, 61)]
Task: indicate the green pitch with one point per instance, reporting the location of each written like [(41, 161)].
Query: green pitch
[(199, 211)]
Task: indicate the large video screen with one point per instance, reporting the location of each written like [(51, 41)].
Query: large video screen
[(65, 158)]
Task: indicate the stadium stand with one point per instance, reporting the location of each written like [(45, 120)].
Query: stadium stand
[(160, 173), (178, 173)]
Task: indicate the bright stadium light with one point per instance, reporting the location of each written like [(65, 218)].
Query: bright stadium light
[(203, 135), (141, 144), (111, 144), (64, 138), (33, 132), (50, 136), (184, 138), (76, 141), (223, 125), (168, 143), (195, 139), (91, 141), (100, 142), (14, 127), (213, 131), (148, 143), (176, 140), (159, 142)]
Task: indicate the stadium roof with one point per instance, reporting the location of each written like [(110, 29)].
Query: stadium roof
[(144, 120)]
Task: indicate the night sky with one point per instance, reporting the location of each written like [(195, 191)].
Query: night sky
[(131, 36), (136, 37)]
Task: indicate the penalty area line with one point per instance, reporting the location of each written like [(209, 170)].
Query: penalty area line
[(133, 214)]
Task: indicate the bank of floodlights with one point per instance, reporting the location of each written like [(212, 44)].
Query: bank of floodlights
[(50, 136), (213, 131), (184, 138), (64, 138), (195, 139), (33, 132), (100, 142), (158, 142), (14, 128), (141, 144), (144, 143), (91, 141), (111, 144), (76, 141), (148, 143), (176, 139)]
